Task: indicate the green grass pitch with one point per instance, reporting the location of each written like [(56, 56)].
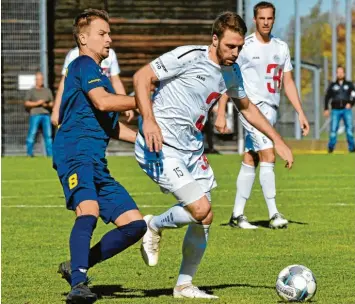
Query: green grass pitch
[(317, 196)]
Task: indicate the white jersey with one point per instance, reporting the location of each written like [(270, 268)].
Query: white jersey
[(190, 83), (262, 66), (109, 65)]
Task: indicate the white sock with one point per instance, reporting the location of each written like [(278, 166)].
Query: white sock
[(176, 217), (245, 183), (267, 182), (193, 248)]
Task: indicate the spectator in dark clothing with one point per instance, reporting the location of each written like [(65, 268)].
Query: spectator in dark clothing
[(341, 95), (39, 102)]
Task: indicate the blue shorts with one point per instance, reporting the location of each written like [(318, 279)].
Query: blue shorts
[(85, 180)]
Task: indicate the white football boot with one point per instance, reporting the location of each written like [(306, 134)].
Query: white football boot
[(241, 221), (150, 244), (278, 221), (191, 291)]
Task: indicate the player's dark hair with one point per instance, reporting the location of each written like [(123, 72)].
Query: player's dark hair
[(341, 67), (228, 20), (85, 18), (261, 5)]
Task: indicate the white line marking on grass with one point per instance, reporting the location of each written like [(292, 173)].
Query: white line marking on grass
[(158, 192), (144, 177)]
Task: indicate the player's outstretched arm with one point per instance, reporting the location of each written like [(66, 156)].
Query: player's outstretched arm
[(221, 122), (124, 133), (142, 81), (107, 102), (258, 120), (292, 94)]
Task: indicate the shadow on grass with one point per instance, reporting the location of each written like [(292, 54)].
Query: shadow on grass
[(265, 224), (118, 291)]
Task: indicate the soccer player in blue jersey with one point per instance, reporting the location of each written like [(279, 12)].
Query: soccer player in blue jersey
[(88, 118)]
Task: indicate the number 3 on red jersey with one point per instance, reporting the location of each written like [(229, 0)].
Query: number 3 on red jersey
[(212, 98), (276, 71)]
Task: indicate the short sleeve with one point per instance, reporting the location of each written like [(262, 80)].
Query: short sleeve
[(288, 65), (72, 54), (167, 65), (50, 95), (28, 96), (90, 75), (114, 68), (234, 82)]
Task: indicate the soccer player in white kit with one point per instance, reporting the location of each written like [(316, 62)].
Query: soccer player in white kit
[(109, 67), (265, 63), (169, 146)]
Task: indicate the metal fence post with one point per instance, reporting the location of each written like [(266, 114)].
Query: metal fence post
[(43, 40), (316, 103)]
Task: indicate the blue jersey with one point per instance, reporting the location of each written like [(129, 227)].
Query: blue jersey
[(84, 131)]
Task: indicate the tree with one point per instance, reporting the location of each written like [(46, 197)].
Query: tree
[(316, 41)]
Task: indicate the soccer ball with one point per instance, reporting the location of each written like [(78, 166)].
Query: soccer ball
[(296, 283)]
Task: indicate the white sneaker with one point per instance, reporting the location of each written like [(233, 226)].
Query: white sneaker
[(278, 221), (150, 244), (191, 291), (241, 222)]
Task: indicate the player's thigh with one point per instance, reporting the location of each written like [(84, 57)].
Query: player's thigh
[(167, 169), (202, 172), (77, 179), (115, 203)]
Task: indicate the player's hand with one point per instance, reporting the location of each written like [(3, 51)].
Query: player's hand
[(152, 134), (348, 106), (304, 124), (55, 118), (221, 124), (129, 114), (326, 113), (284, 152)]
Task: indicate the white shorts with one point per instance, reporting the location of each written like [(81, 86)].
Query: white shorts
[(173, 169), (254, 139)]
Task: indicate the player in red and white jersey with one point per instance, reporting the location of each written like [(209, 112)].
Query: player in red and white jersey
[(110, 68), (265, 63), (169, 146)]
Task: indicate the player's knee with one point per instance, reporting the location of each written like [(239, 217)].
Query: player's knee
[(209, 218), (200, 209), (88, 207), (134, 230), (251, 159), (267, 156)]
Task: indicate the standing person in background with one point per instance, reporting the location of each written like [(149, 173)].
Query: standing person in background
[(109, 67), (341, 95), (39, 102), (265, 63)]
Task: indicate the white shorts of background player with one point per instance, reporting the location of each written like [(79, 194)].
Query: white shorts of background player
[(254, 139)]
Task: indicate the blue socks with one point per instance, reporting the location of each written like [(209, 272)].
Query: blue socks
[(80, 238), (117, 240), (82, 257)]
